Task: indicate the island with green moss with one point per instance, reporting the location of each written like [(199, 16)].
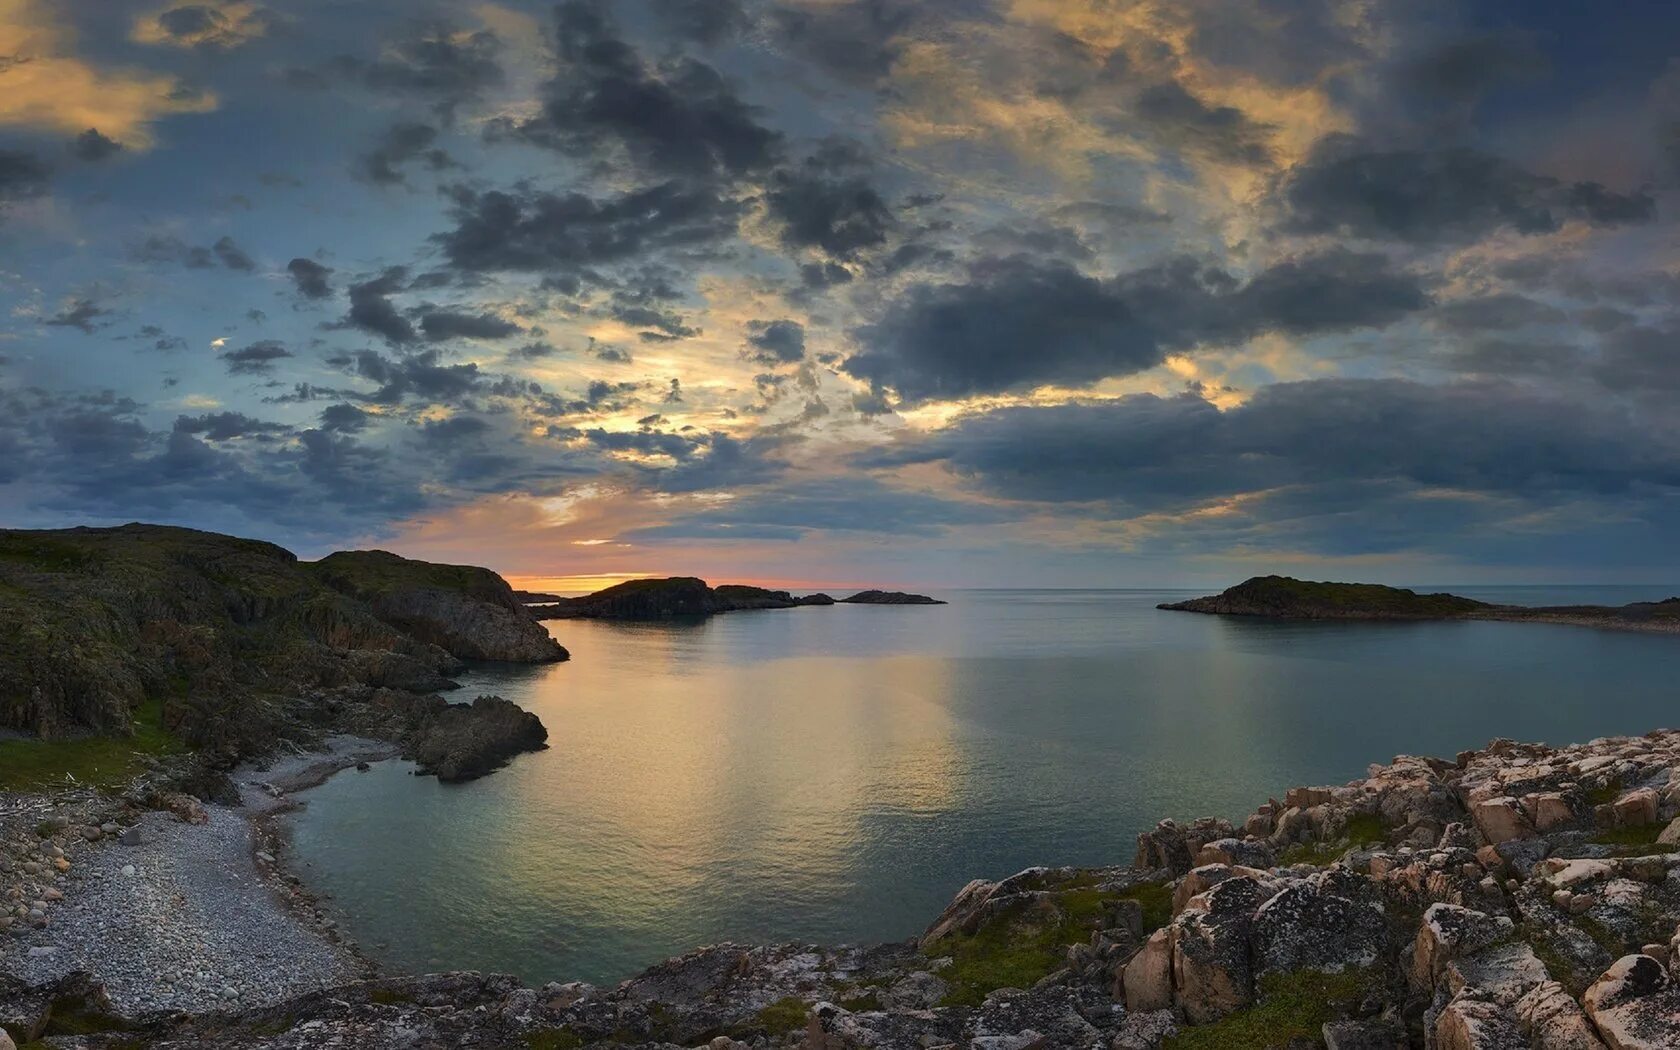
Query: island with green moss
[(688, 598), (1286, 598)]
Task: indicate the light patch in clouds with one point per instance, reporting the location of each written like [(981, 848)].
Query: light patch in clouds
[(44, 84), (222, 24)]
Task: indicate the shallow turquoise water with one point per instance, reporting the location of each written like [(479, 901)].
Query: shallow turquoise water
[(835, 774)]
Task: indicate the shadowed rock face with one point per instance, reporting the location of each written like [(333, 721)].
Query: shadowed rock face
[(470, 612), (240, 642), (459, 742)]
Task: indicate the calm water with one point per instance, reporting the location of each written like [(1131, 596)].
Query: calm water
[(836, 774)]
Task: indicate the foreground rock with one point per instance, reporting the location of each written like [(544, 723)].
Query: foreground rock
[(1400, 910), (1286, 598)]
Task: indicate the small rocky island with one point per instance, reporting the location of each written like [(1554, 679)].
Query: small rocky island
[(687, 597), (1286, 598)]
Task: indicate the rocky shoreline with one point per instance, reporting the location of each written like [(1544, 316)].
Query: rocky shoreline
[(1519, 896)]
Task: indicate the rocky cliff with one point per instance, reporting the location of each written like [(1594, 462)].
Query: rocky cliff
[(674, 598), (239, 643), (1519, 897)]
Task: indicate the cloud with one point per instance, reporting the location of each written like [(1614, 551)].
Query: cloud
[(858, 42), (531, 230), (344, 418), (22, 176), (1450, 195), (92, 147), (421, 375), (705, 21), (677, 117), (776, 342), (401, 145), (80, 314), (255, 359), (840, 216), (434, 62), (232, 256), (371, 309), (1223, 133), (218, 26), (160, 248), (447, 324), (310, 278), (49, 87), (1324, 459), (228, 426), (1021, 322)]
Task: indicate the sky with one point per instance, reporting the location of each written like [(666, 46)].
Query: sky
[(874, 292)]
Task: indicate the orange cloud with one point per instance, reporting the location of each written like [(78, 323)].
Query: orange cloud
[(45, 85)]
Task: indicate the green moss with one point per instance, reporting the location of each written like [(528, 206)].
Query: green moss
[(73, 1018), (38, 553), (1291, 1006), (1156, 899), (1642, 836), (554, 1039), (783, 1016), (389, 997), (863, 1003), (101, 761), (1605, 794), (1362, 832), (1019, 948)]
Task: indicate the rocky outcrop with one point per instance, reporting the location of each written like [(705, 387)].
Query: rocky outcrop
[(1286, 598), (234, 641), (457, 742), (675, 598), (890, 598), (1389, 918), (469, 612)]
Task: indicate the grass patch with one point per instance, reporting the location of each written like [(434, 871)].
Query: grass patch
[(102, 761), (1604, 794), (389, 997), (1156, 900), (43, 553), (1641, 837), (864, 1003), (1021, 948), (782, 1016), (1362, 831), (1292, 1006), (553, 1039)]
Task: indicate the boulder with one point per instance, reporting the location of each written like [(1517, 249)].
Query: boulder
[(1146, 979), (1448, 932), (1471, 1023), (465, 741), (1236, 851), (1670, 835), (1635, 1005), (1550, 810), (1363, 1035), (1552, 1020), (1145, 1031), (1304, 927), (1501, 819), (1212, 972), (1506, 972), (1637, 808)]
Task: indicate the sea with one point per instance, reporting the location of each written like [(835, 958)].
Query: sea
[(835, 774)]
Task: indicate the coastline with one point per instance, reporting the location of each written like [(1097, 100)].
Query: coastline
[(192, 910)]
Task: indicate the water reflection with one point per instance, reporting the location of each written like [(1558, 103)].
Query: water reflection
[(835, 774)]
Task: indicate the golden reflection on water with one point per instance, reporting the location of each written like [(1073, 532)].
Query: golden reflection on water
[(676, 779)]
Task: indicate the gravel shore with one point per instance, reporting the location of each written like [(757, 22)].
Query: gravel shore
[(197, 916)]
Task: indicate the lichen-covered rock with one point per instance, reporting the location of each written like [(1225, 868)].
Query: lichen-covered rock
[(1635, 1005), (1470, 1022), (1146, 981), (1448, 932), (1501, 819), (1213, 970), (1304, 927), (1552, 1020)]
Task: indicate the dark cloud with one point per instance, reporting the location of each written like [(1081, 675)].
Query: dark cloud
[(232, 256), (1499, 313), (858, 42), (847, 504), (344, 419), (1187, 123), (776, 342), (544, 231), (22, 176), (92, 147), (706, 21), (422, 376), (310, 278), (256, 359), (80, 314), (228, 426), (371, 309), (840, 216), (434, 63), (211, 28), (665, 324), (448, 324), (1020, 322), (1321, 439), (677, 117), (401, 145), (1443, 195)]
